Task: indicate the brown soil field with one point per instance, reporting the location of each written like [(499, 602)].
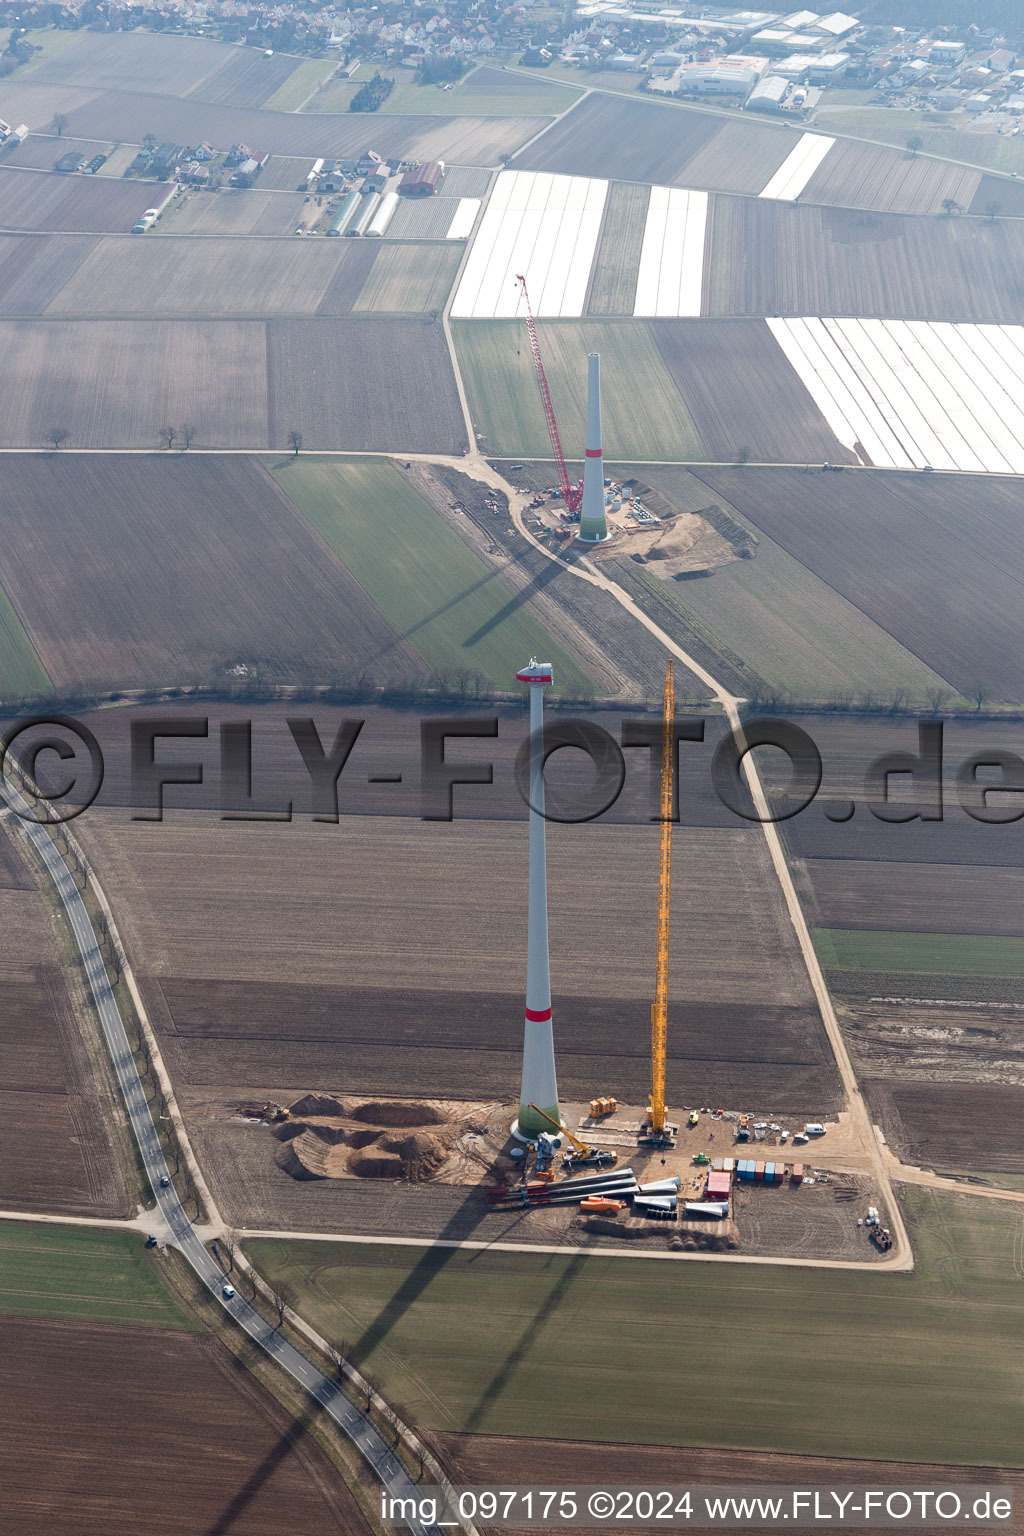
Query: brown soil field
[(131, 569), (917, 898), (115, 383), (890, 542), (773, 258), (218, 1453), (237, 212), (124, 116), (741, 393), (857, 175), (650, 142), (30, 200), (363, 384), (613, 280), (35, 267), (247, 78), (126, 276), (919, 1042), (55, 1149), (951, 1126), (490, 1460)]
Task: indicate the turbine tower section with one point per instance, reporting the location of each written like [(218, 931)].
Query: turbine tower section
[(539, 1085), (593, 523)]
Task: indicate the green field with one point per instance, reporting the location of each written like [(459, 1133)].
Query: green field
[(433, 587), (795, 631), (304, 79), (923, 1367), (21, 671), (486, 93), (643, 413), (988, 151), (927, 954), (84, 1274)]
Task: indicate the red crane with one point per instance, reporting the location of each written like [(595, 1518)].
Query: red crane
[(572, 495)]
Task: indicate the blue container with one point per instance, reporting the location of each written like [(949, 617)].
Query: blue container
[(769, 1173)]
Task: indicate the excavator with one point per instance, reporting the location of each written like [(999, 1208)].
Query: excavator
[(583, 1156), (654, 1132)]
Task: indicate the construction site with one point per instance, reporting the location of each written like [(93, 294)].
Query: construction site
[(696, 1177)]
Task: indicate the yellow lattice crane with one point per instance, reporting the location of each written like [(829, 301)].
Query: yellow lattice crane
[(655, 1132)]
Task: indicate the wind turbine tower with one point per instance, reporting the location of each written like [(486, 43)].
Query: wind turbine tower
[(593, 523), (539, 1085)]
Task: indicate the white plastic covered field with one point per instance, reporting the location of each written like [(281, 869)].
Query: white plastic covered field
[(463, 219), (671, 274), (916, 393), (544, 226), (798, 167)]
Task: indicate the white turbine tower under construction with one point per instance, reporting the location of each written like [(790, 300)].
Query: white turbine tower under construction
[(539, 1086), (593, 523)]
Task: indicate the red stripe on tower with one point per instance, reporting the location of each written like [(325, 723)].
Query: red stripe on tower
[(538, 1018), (594, 453)]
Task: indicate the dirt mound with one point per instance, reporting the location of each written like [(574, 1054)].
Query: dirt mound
[(288, 1130), (363, 1138), (316, 1104), (333, 1135), (376, 1165), (607, 1227), (421, 1154), (392, 1113), (312, 1156), (288, 1160)]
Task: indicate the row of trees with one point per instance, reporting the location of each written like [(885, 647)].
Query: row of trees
[(372, 95), (58, 436)]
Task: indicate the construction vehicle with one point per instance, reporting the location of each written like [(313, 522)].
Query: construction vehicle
[(694, 1118), (654, 1133), (701, 1159), (572, 495), (584, 1156)]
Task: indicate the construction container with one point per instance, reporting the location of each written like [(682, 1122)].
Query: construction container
[(797, 1174), (769, 1173), (728, 1163), (719, 1186), (744, 1169), (759, 1172), (716, 1164)]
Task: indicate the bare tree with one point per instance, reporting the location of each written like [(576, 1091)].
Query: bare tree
[(914, 145), (295, 442), (229, 1246), (149, 141), (168, 434), (187, 435), (282, 1296), (992, 210), (950, 206), (60, 124), (339, 1352), (979, 692), (58, 436), (937, 698)]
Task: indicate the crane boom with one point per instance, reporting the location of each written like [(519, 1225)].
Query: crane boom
[(659, 1009), (572, 495)]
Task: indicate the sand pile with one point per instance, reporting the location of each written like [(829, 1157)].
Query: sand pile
[(421, 1154), (375, 1165), (310, 1157)]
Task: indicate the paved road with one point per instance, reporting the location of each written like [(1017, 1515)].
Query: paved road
[(184, 1236)]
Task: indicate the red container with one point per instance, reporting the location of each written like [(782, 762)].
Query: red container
[(797, 1176), (759, 1172)]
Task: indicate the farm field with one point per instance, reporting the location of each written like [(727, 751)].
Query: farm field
[(499, 378), (988, 151), (953, 954), (743, 396), (856, 175), (131, 61), (363, 383), (21, 671), (300, 84), (652, 142), (409, 279), (236, 212), (88, 204), (126, 117), (491, 1460), (792, 631), (952, 1125), (890, 542), (487, 92), (951, 1396), (771, 258), (247, 78), (56, 1152), (35, 267), (617, 260), (458, 614), (917, 899), (162, 277), (115, 383), (172, 561), (83, 1275)]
